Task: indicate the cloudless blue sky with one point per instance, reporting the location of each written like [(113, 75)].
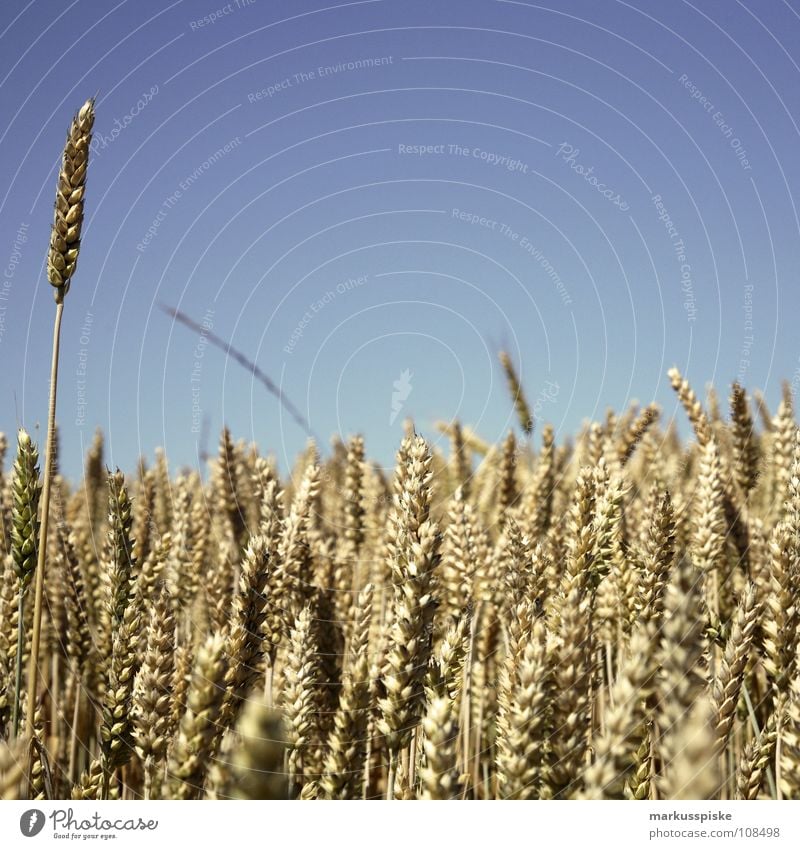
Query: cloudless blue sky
[(234, 180)]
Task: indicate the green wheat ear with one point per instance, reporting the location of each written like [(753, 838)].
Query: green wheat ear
[(24, 539), (25, 509)]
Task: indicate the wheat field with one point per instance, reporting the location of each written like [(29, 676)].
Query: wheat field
[(609, 617)]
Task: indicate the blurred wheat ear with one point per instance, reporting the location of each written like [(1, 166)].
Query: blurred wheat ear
[(521, 406), (62, 258)]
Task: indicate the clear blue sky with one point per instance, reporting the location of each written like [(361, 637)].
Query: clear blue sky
[(608, 189)]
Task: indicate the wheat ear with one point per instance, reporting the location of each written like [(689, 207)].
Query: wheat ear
[(190, 756), (414, 558), (525, 714), (659, 553), (745, 445), (728, 684), (246, 640), (755, 760), (347, 742), (24, 540), (615, 748), (153, 689), (682, 680), (298, 700), (524, 413), (439, 776), (692, 772), (116, 730), (636, 432), (692, 405), (257, 760)]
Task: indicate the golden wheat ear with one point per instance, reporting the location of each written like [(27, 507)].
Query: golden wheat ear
[(65, 237)]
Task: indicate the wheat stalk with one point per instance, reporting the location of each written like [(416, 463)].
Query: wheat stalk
[(61, 262)]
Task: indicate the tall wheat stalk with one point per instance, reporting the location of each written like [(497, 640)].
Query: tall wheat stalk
[(65, 241)]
